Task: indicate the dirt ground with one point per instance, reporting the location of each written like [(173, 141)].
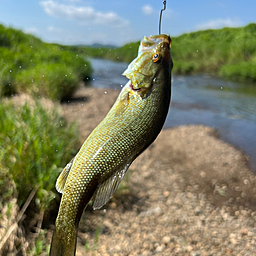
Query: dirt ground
[(188, 194)]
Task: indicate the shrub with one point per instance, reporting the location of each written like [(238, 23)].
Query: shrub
[(244, 71), (56, 81), (35, 145), (24, 58)]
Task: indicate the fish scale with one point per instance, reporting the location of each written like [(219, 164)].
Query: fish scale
[(129, 128)]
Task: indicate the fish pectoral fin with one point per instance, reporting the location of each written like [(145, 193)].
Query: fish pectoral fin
[(60, 183), (107, 188)]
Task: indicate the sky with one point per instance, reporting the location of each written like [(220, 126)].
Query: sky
[(117, 22)]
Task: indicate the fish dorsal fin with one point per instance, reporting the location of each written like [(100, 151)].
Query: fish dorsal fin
[(60, 183), (107, 188)]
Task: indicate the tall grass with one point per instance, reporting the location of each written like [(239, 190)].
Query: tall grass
[(52, 80), (25, 59), (7, 186), (229, 52), (35, 144)]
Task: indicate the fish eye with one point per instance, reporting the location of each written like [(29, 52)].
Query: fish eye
[(156, 57)]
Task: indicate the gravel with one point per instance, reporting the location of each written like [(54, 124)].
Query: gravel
[(189, 194)]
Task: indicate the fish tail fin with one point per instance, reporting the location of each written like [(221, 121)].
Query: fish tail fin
[(61, 247)]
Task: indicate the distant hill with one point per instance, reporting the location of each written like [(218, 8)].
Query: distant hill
[(96, 45)]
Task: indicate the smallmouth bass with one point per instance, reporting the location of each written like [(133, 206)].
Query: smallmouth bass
[(131, 125)]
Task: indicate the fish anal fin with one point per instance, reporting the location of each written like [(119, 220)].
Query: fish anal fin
[(107, 188), (60, 183)]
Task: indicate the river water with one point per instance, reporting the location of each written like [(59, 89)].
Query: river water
[(200, 99)]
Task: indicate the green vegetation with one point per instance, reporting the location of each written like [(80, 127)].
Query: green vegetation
[(227, 52), (7, 186), (125, 53), (41, 245), (93, 247), (34, 148), (29, 65)]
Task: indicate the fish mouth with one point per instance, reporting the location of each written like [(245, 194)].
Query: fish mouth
[(133, 88)]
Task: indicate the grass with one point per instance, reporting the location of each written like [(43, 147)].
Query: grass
[(7, 186), (35, 148), (227, 52), (41, 245), (94, 246), (35, 144), (39, 81), (29, 65)]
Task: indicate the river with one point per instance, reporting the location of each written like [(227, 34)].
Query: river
[(200, 99)]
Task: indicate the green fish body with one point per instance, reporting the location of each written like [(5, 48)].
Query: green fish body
[(131, 125)]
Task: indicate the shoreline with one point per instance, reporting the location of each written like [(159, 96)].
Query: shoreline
[(218, 157), (189, 193)]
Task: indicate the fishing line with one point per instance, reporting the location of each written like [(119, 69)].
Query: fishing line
[(160, 19)]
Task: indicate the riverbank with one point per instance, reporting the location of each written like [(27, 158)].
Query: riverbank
[(232, 56), (188, 194), (199, 99)]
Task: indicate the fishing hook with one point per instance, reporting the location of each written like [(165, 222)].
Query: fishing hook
[(160, 19)]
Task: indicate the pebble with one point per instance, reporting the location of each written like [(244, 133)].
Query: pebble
[(160, 248), (166, 239), (198, 253), (113, 205), (166, 193), (203, 174), (233, 240), (214, 233), (198, 211), (189, 248), (167, 207), (243, 231)]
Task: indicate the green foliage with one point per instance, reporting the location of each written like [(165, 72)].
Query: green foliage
[(53, 80), (34, 146), (244, 71), (41, 245), (7, 186), (23, 55), (129, 51), (12, 38), (125, 53), (94, 246), (227, 52)]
